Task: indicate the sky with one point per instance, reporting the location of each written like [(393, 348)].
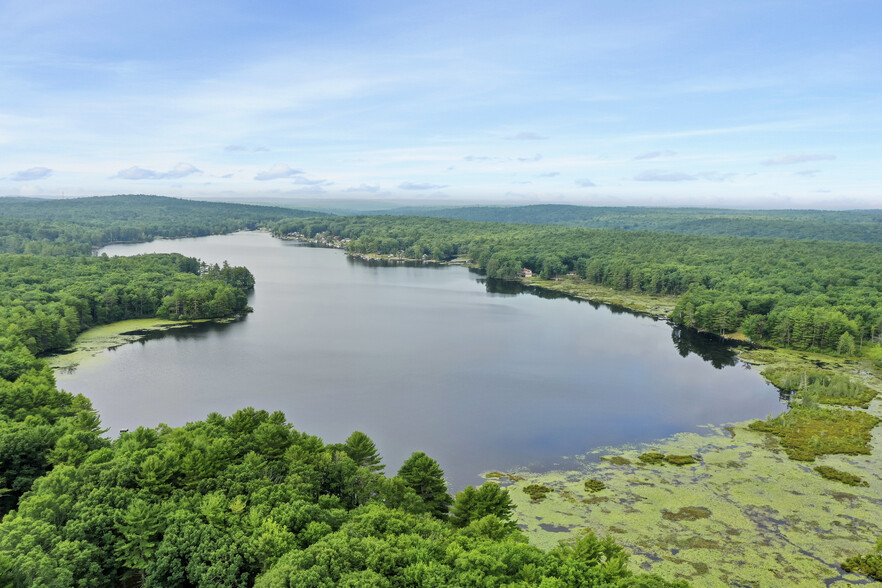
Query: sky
[(765, 104)]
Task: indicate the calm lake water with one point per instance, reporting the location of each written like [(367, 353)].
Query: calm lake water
[(478, 374)]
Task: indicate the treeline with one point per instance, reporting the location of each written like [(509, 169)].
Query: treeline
[(247, 500), (74, 226), (45, 302), (861, 226), (802, 294)]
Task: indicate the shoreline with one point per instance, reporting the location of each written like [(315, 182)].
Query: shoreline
[(89, 345)]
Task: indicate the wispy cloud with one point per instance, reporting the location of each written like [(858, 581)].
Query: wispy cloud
[(536, 157), (240, 148), (655, 154), (586, 183), (654, 175), (477, 158), (276, 172), (364, 188), (549, 175), (307, 182), (416, 186), (808, 172), (179, 171), (713, 176), (31, 174), (526, 136), (802, 158)]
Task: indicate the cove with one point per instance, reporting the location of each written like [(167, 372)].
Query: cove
[(476, 373)]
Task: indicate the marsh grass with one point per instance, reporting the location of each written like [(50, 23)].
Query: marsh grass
[(840, 476), (594, 485), (806, 433), (537, 492), (814, 386), (687, 513)]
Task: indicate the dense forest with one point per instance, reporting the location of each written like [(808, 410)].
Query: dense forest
[(804, 294), (861, 226), (74, 226), (229, 501)]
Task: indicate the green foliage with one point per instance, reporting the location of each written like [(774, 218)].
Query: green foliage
[(617, 460), (687, 513), (840, 476), (869, 564), (472, 505), (592, 485), (537, 492), (652, 457), (423, 474), (363, 452), (806, 433), (73, 226), (852, 225), (680, 460), (821, 386)]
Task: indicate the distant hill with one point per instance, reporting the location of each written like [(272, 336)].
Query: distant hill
[(131, 207), (76, 225), (861, 226)]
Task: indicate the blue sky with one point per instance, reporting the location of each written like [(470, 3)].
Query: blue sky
[(760, 104)]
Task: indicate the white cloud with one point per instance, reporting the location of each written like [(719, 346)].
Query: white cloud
[(31, 174), (476, 158), (802, 158), (536, 157), (585, 183), (549, 175), (714, 176), (655, 154), (526, 136), (364, 188), (181, 170), (654, 175), (414, 186), (808, 172), (278, 171)]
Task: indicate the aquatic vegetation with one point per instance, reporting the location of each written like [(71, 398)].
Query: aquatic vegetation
[(617, 460), (651, 457), (806, 433), (821, 386), (680, 460), (744, 514), (594, 485), (537, 492), (840, 476), (869, 564), (687, 513)]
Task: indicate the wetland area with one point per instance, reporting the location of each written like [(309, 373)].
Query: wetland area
[(485, 378)]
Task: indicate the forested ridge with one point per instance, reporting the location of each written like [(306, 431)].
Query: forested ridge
[(73, 226), (861, 226), (229, 501), (818, 295)]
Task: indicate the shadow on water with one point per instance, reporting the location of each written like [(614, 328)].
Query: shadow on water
[(708, 346), (189, 332)]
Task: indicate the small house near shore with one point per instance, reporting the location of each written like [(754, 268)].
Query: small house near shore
[(526, 273)]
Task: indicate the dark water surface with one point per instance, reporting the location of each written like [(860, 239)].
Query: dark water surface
[(425, 358)]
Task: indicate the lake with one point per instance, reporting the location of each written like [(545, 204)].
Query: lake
[(481, 375)]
